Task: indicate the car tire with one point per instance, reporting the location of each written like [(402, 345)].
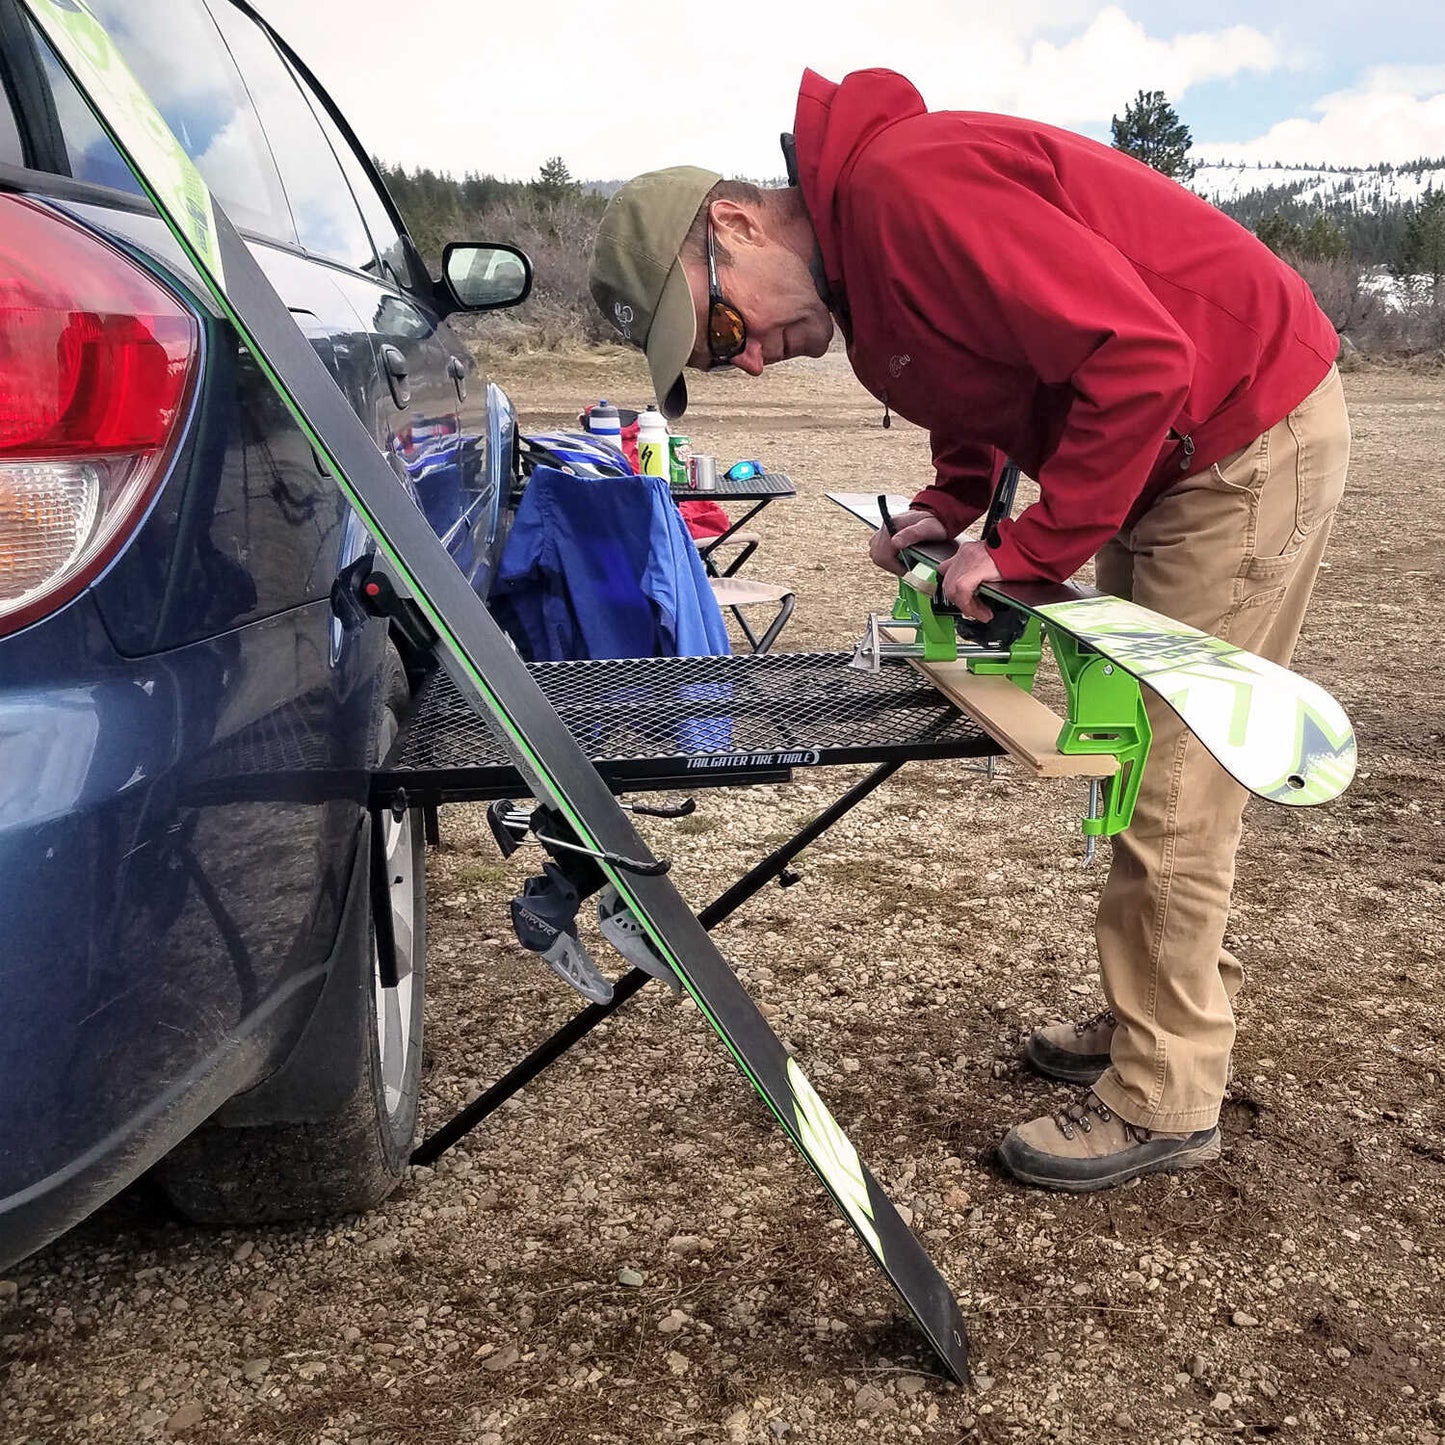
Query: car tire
[(330, 1133)]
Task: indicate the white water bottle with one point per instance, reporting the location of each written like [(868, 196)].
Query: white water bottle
[(604, 422), (652, 444)]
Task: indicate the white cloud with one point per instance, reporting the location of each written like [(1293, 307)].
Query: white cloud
[(1092, 76), (1396, 114), (620, 86)]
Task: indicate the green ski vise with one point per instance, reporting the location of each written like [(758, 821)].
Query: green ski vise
[(1106, 708), (914, 606), (1020, 664), (1106, 715)]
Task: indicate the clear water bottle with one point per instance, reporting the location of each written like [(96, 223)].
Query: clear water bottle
[(603, 421), (652, 451)]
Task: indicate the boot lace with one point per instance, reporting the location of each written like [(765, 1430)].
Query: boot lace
[(1104, 1016), (1077, 1116)]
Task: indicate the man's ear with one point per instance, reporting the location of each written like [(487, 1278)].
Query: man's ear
[(737, 224)]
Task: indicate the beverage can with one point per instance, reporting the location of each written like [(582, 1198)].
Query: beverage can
[(679, 450), (702, 472)]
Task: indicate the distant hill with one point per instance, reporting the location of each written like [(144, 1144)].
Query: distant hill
[(1370, 205)]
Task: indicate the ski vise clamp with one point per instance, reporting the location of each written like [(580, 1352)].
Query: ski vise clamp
[(1106, 715), (935, 629)]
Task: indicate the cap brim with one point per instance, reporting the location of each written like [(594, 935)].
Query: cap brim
[(670, 342)]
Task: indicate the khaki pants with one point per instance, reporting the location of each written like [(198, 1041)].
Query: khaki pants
[(1234, 551)]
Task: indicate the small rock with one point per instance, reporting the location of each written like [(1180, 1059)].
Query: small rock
[(244, 1251), (671, 1322), (736, 1425), (910, 1384), (504, 1359), (870, 1400), (256, 1369), (311, 1369), (1243, 1320), (678, 1363), (1196, 1367), (186, 1418), (687, 1245), (1124, 1420), (8, 1291), (1338, 1352), (631, 1278), (777, 1428), (1221, 1401)]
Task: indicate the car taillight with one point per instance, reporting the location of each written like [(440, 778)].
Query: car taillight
[(96, 362)]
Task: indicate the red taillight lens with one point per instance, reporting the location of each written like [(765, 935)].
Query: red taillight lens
[(96, 360)]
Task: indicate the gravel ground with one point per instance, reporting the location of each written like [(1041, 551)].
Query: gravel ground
[(630, 1251)]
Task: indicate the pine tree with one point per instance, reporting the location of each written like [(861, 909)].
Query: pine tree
[(554, 180), (1279, 233), (1422, 248), (1324, 241), (1150, 130)]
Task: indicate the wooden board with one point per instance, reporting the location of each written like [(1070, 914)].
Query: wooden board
[(1028, 730)]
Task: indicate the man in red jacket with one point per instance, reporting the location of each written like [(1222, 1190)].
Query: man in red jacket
[(1023, 292)]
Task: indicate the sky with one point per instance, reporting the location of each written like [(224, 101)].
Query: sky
[(615, 87)]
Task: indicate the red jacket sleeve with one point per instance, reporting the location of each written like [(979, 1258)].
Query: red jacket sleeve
[(965, 473), (985, 265)]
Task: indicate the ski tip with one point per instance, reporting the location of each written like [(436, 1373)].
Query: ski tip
[(1320, 779)]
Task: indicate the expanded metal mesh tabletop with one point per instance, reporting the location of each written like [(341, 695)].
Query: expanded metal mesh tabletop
[(689, 721), (752, 489)]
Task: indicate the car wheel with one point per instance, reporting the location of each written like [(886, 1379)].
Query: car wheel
[(331, 1131)]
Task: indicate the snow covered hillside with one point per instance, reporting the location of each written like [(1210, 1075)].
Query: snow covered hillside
[(1376, 189)]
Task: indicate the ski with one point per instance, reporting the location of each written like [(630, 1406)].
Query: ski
[(481, 662), (1280, 735)]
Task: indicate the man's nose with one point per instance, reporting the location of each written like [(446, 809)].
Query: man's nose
[(750, 358)]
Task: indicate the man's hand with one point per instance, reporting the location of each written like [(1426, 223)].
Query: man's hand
[(971, 565), (913, 526)]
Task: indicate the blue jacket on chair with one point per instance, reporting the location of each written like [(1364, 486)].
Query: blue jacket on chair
[(604, 567)]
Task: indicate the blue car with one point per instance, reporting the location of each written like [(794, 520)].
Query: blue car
[(188, 973)]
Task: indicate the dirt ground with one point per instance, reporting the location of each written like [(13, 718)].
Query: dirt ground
[(631, 1252)]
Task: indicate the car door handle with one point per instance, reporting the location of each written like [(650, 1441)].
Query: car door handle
[(457, 370), (394, 360)]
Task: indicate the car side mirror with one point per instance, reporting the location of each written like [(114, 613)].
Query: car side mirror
[(482, 276)]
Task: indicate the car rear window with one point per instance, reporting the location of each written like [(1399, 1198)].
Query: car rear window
[(328, 221), (203, 101)]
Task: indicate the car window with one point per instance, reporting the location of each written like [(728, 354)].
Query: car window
[(202, 100), (328, 221), (384, 233)]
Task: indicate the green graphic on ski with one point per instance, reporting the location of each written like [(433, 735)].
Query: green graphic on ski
[(1279, 734), (479, 659)]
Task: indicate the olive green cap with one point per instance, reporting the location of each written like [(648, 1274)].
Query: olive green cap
[(637, 280)]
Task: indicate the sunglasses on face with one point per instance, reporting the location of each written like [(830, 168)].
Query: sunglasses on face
[(727, 332)]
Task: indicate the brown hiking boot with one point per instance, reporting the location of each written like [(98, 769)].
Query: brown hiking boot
[(1076, 1053), (1088, 1146)]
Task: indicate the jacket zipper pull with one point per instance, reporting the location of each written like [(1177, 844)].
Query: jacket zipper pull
[(887, 419), (1187, 442)]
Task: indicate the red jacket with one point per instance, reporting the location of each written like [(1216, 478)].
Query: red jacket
[(1019, 290)]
